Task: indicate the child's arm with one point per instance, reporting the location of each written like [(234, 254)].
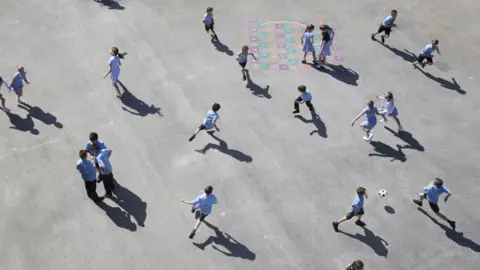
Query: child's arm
[(381, 97), (438, 51), (446, 197), (253, 55), (215, 125), (25, 78), (187, 202), (303, 35), (109, 71), (356, 118)]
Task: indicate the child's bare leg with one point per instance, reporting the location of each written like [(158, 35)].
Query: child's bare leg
[(359, 217), (305, 56), (342, 220), (3, 102), (314, 57), (115, 85), (397, 120)]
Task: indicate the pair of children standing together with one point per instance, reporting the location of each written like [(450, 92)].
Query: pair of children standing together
[(307, 41), (16, 84)]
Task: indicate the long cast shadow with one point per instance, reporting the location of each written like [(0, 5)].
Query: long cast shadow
[(256, 89), (340, 73), (235, 248), (405, 54), (110, 4), (118, 216), (317, 121), (223, 147), (131, 203), (455, 236), (20, 124), (444, 83), (384, 150), (407, 137), (374, 241), (221, 47), (136, 106), (38, 113)]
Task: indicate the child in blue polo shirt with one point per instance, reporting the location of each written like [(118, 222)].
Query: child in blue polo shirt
[(242, 58), (203, 204), (386, 26), (89, 175), (209, 23), (305, 96), (370, 113), (356, 209), (209, 122), (432, 193), (427, 53)]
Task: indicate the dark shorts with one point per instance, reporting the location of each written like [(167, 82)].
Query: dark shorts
[(434, 206), (209, 27), (420, 59), (202, 127), (351, 214), (202, 216), (243, 64), (382, 28)]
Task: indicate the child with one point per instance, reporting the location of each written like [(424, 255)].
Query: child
[(432, 193), (370, 111), (208, 21), (307, 42), (355, 265), (386, 26), (305, 96), (93, 139), (102, 158), (389, 109), (203, 203), (355, 210), (209, 122), (5, 109), (89, 175), (426, 53), (17, 83), (329, 30), (325, 49), (242, 58), (114, 68)]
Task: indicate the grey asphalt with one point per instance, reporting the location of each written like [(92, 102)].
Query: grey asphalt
[(280, 180)]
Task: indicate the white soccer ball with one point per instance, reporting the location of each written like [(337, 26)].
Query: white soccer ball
[(382, 193)]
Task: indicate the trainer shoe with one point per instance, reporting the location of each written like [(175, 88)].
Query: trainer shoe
[(360, 223), (335, 226), (383, 39), (244, 77), (304, 61), (452, 224), (192, 234), (295, 111), (384, 120), (191, 138), (373, 36), (418, 202), (400, 128), (5, 109)]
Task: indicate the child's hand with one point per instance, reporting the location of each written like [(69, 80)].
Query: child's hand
[(353, 122)]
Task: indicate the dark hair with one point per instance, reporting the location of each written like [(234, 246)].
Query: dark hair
[(389, 95), (82, 154), (435, 41), (209, 9), (356, 265), (370, 103), (394, 11), (325, 36), (95, 147), (93, 136), (117, 52), (361, 190), (216, 107), (324, 27), (438, 182), (302, 88), (244, 47), (209, 190), (310, 27)]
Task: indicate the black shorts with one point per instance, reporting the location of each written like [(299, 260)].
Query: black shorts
[(202, 216), (209, 27), (202, 127), (242, 64), (420, 59), (382, 28), (434, 206), (351, 214)]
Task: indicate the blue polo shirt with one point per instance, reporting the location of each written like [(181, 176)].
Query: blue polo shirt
[(433, 192), (428, 50), (357, 203), (208, 18), (100, 144), (104, 161), (204, 202), (306, 96), (388, 21), (208, 121), (87, 170)]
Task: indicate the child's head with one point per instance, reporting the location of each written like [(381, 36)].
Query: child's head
[(394, 13), (324, 27), (388, 95), (356, 265), (438, 182), (95, 149), (216, 107), (435, 42), (209, 9), (310, 27), (82, 154), (115, 52), (361, 191), (370, 103), (302, 88), (93, 137), (244, 48), (208, 190), (21, 69)]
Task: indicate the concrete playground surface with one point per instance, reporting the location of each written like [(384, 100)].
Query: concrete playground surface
[(280, 179)]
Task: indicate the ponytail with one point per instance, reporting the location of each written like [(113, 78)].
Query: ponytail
[(122, 55), (116, 52)]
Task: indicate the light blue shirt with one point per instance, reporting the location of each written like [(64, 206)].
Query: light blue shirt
[(114, 61), (87, 170), (204, 202), (357, 203), (433, 192), (306, 96), (208, 18), (101, 146), (208, 121), (308, 37), (370, 113), (388, 21), (17, 81), (428, 50), (104, 161), (243, 57)]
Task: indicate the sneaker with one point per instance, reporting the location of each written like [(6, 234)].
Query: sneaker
[(373, 36), (5, 109), (244, 77), (118, 95), (452, 224), (335, 226), (99, 199), (383, 120), (383, 39), (414, 66), (418, 202), (191, 138), (295, 111), (369, 138), (216, 37), (192, 234), (360, 223), (304, 61), (400, 128), (315, 62)]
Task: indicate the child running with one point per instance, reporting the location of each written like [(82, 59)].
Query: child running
[(370, 113), (17, 83), (209, 122), (355, 210), (389, 109), (114, 64), (427, 53), (2, 82), (305, 96), (203, 203), (324, 49), (208, 21), (432, 192), (307, 42), (242, 58), (386, 26)]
